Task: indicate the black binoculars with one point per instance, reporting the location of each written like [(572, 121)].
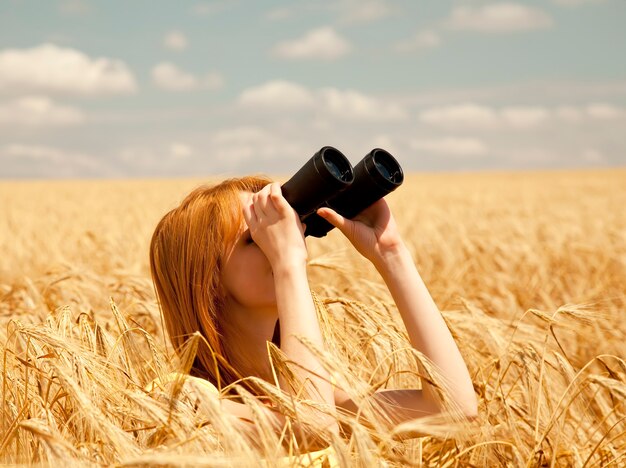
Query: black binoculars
[(329, 180)]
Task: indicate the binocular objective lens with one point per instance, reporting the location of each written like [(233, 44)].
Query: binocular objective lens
[(337, 166), (387, 169), (334, 169)]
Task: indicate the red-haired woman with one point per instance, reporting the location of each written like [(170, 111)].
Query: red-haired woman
[(230, 262)]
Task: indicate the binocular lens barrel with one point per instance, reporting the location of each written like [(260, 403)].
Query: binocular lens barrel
[(387, 166), (327, 173), (337, 164), (328, 179), (375, 176)]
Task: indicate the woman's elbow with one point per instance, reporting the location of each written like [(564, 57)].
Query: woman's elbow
[(471, 412), (466, 409), (469, 408)]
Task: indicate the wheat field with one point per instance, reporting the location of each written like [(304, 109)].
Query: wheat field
[(528, 270)]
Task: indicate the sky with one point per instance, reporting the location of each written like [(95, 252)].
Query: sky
[(147, 88)]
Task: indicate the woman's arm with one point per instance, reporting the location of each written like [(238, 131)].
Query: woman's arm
[(375, 235), (308, 436), (275, 227), (426, 328)]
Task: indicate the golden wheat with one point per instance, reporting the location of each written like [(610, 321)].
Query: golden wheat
[(529, 270)]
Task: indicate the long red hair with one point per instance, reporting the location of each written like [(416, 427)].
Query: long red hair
[(187, 250)]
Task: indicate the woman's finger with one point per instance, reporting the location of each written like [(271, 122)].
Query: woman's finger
[(334, 218), (268, 205), (249, 214), (277, 199), (260, 202)]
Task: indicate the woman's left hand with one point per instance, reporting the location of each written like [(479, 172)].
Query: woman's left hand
[(373, 232)]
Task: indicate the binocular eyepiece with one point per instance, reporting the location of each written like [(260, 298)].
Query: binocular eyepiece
[(328, 179)]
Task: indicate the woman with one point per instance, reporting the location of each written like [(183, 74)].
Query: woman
[(230, 262)]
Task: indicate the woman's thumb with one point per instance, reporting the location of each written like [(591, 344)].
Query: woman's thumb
[(333, 217)]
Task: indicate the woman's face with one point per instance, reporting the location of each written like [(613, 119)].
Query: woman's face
[(246, 272)]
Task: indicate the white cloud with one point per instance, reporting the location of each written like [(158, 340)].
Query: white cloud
[(39, 111), (69, 161), (386, 142), (321, 43), (474, 116), (171, 78), (138, 156), (40, 153), (48, 68), (421, 40), (352, 105), (180, 150), (163, 156), (499, 17), (538, 91), (175, 40), (362, 11), (279, 14), (75, 7), (241, 144), (168, 76), (593, 155), (343, 11), (569, 114), (575, 2), (212, 80), (459, 147), (532, 155), (525, 117), (467, 115), (605, 111), (59, 38), (278, 94), (211, 8)]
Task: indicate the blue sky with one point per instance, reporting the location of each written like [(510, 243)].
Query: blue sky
[(158, 89)]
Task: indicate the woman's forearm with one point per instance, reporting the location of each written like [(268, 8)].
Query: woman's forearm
[(307, 435), (298, 318), (426, 327)]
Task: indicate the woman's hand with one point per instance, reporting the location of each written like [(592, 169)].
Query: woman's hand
[(373, 232), (375, 235), (275, 227)]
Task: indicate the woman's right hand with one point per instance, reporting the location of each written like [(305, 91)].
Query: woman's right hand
[(275, 227)]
